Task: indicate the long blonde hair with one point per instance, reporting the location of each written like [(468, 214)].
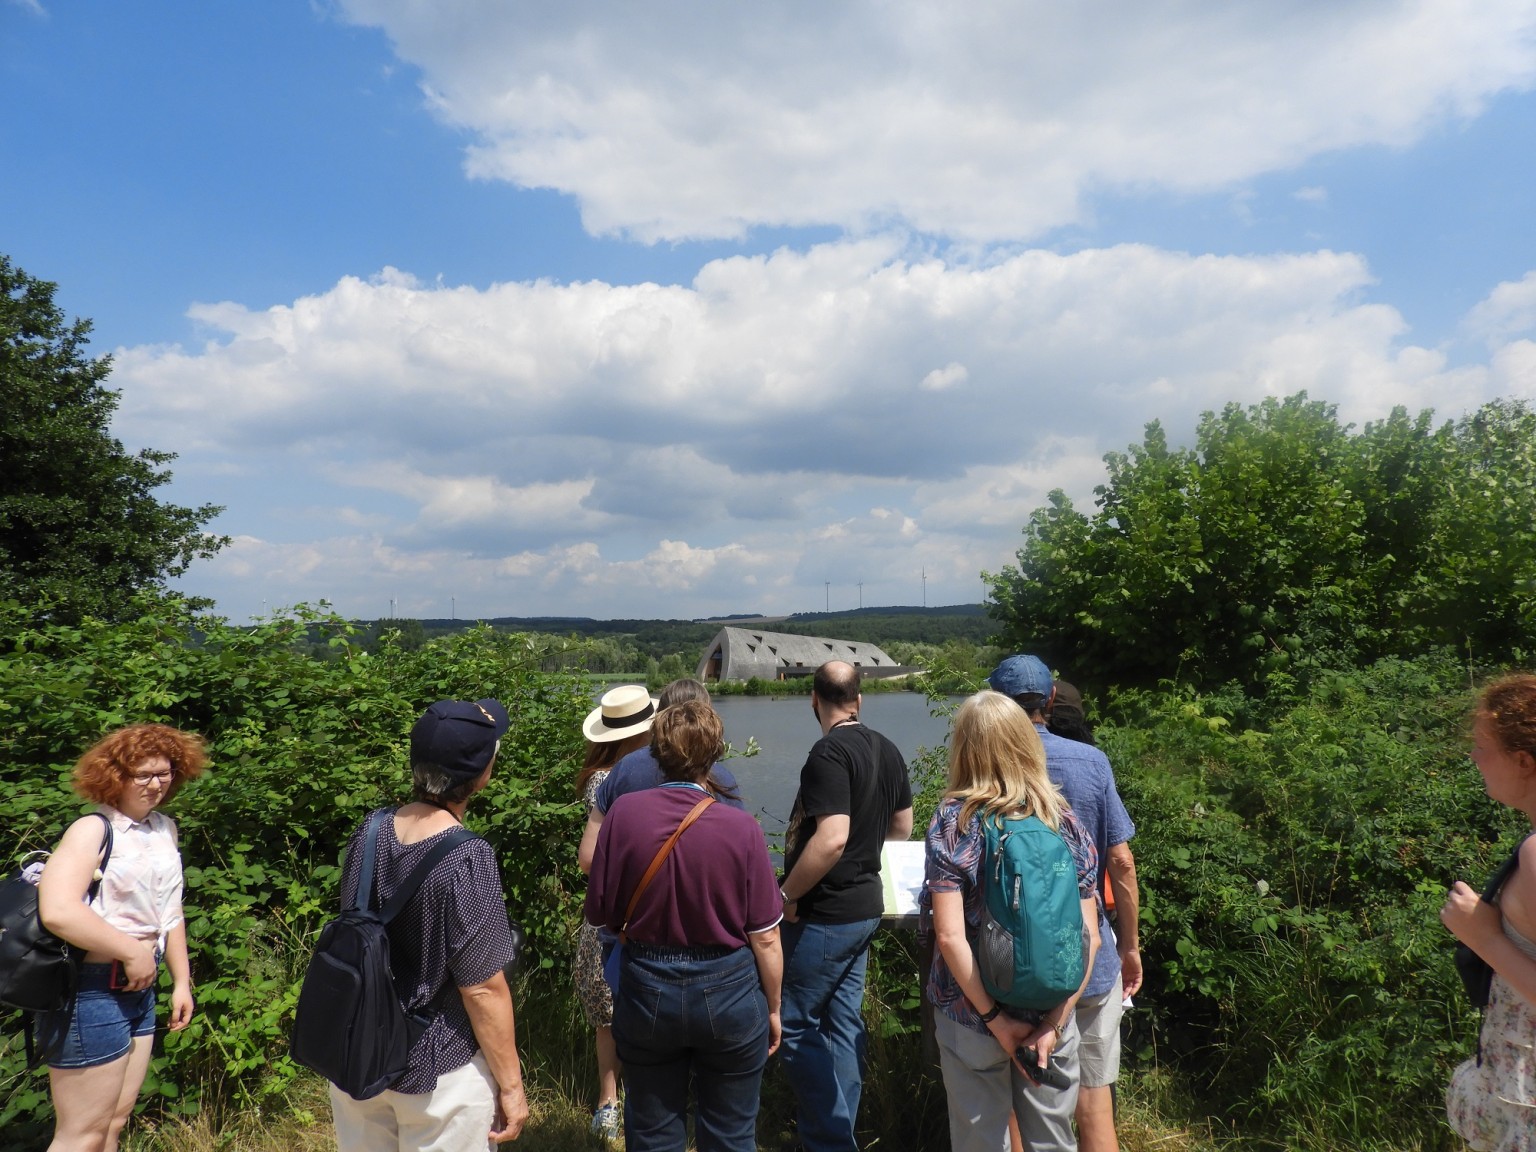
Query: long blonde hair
[(997, 764)]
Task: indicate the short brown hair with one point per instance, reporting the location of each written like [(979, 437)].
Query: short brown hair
[(102, 773), (687, 739)]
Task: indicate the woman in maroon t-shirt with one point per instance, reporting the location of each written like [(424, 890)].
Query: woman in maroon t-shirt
[(700, 970)]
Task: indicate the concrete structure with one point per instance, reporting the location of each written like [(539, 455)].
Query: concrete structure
[(742, 653)]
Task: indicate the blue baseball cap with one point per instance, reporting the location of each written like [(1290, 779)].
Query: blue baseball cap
[(1021, 676), (459, 736)]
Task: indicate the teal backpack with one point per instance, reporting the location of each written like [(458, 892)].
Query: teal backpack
[(1030, 946)]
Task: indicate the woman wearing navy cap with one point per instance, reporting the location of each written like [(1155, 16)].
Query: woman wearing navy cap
[(449, 947)]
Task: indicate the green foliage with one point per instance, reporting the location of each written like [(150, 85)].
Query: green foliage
[(80, 527), (1298, 974), (1282, 544), (301, 748), (1292, 853)]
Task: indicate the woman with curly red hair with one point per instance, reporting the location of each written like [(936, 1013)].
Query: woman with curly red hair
[(98, 1047)]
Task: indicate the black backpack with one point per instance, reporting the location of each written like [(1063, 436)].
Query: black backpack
[(38, 971), (350, 1025), (1476, 975)]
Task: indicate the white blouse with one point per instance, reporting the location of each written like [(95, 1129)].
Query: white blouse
[(140, 892)]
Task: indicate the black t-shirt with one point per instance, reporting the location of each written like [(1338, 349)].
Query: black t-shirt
[(852, 771)]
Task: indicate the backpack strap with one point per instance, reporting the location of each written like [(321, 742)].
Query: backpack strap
[(1502, 874), (418, 874), (402, 896), (363, 897), (105, 851)]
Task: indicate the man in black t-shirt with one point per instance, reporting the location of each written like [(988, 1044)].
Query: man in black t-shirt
[(854, 795)]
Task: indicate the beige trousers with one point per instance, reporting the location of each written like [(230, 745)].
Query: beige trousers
[(456, 1116)]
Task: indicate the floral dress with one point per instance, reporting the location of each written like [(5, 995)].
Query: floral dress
[(1492, 1098), (591, 989)]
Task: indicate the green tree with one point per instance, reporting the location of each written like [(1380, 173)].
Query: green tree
[(79, 523), (1285, 542)]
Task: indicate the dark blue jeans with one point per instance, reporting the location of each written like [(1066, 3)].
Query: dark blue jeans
[(823, 1017), (690, 1018)]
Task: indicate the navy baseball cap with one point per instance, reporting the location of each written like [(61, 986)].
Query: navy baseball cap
[(1021, 676), (459, 736)]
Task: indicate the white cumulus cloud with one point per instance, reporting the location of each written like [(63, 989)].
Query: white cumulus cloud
[(772, 426), (680, 119)]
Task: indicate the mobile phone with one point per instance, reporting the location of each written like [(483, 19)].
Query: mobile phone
[(1051, 1076), (117, 979)]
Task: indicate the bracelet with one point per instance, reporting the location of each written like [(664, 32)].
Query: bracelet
[(988, 1017), (786, 896), (1058, 1029)]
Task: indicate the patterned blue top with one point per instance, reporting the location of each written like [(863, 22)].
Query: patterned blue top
[(953, 865)]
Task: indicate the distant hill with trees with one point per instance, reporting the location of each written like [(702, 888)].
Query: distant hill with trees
[(955, 636)]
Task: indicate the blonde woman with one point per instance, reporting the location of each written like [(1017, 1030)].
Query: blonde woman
[(997, 770)]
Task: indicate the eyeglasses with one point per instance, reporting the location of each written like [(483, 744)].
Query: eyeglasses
[(143, 778)]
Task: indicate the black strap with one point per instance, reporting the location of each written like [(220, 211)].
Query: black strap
[(106, 855), (1502, 874), (364, 896)]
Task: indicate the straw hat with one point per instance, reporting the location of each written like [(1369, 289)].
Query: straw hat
[(622, 712)]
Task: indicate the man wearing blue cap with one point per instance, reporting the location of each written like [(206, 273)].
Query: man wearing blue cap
[(1085, 778), (449, 947)]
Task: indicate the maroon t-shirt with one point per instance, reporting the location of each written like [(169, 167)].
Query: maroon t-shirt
[(715, 887)]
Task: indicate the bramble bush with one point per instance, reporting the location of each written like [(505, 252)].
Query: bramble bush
[(1293, 864), (1293, 851), (301, 748)]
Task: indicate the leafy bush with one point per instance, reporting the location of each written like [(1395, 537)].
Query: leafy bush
[(301, 748), (1291, 876), (1293, 851)]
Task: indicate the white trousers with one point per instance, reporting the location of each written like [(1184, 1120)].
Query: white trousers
[(456, 1116)]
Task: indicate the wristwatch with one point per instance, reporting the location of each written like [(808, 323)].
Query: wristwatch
[(991, 1015)]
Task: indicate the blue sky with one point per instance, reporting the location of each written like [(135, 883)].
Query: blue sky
[(684, 310)]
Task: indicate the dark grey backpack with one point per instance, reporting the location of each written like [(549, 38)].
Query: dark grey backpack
[(350, 1025), (38, 971)]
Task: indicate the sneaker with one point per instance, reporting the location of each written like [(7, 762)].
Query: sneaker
[(607, 1123)]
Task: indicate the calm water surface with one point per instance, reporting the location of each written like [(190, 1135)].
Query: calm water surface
[(785, 729)]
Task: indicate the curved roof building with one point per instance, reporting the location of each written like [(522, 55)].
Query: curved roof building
[(742, 653)]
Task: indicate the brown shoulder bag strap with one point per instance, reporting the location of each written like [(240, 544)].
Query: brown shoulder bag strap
[(661, 855)]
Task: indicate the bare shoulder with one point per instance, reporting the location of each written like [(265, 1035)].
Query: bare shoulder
[(84, 835)]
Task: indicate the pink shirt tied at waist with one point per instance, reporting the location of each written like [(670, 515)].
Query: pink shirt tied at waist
[(140, 892)]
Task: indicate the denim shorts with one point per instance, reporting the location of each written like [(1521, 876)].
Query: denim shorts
[(102, 1026)]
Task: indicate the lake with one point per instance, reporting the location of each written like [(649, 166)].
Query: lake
[(785, 729)]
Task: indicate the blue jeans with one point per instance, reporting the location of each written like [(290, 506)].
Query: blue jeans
[(698, 1017), (823, 1017), (99, 1027)]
